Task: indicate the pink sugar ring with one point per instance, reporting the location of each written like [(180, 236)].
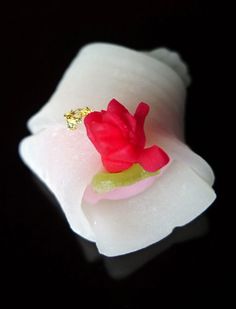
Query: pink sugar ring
[(92, 197)]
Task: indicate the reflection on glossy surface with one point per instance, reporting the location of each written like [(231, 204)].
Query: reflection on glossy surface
[(122, 266)]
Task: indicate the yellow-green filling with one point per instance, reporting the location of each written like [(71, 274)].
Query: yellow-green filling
[(105, 182)]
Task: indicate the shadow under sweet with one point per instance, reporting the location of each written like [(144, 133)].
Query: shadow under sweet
[(122, 266)]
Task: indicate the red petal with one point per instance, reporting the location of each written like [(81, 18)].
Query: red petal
[(117, 121), (140, 115), (124, 115), (128, 153), (115, 107), (130, 122), (105, 137), (115, 166), (141, 112), (89, 119), (121, 159), (153, 158)]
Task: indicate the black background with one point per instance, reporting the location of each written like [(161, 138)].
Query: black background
[(39, 43)]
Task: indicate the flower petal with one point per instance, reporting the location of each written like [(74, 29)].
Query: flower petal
[(113, 166), (66, 162), (177, 150), (118, 121), (140, 115), (121, 159), (124, 226), (101, 72), (104, 136), (116, 107), (121, 117), (153, 158)]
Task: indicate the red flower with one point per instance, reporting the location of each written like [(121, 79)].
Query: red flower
[(120, 139)]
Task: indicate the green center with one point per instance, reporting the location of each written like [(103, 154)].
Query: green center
[(105, 182)]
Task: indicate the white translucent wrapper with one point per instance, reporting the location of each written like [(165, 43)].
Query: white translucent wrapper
[(66, 161)]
